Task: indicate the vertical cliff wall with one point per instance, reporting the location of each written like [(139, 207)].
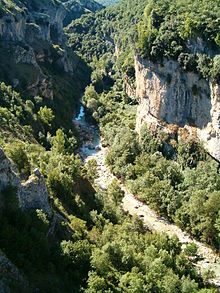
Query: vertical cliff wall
[(34, 56), (167, 94)]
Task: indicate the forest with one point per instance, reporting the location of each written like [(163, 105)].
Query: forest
[(95, 245), (168, 25)]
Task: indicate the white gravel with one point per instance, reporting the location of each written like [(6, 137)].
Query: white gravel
[(153, 221)]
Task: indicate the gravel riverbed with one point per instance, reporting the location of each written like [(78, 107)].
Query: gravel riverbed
[(153, 221)]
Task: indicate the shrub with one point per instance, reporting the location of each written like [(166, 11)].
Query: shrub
[(16, 151), (216, 69)]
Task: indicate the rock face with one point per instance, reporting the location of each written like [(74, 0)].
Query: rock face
[(129, 87), (169, 94), (43, 20), (32, 194), (77, 8), (32, 37), (9, 273)]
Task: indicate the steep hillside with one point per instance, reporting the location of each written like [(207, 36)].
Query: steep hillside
[(188, 44), (34, 57), (97, 34), (61, 231), (43, 188), (176, 112)]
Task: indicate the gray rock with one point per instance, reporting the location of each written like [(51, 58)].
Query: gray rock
[(32, 194), (182, 99)]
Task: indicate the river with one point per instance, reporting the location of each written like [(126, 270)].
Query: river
[(91, 149), (89, 133)]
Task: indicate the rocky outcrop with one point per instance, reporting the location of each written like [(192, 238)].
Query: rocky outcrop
[(12, 25), (25, 55), (44, 22), (8, 174), (32, 194), (77, 8), (9, 274), (22, 29), (30, 32), (167, 94), (129, 87)]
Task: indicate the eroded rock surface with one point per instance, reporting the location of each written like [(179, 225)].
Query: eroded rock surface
[(32, 37), (169, 94), (32, 194)]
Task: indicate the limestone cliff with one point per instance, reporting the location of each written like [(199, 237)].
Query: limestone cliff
[(167, 94), (32, 194), (33, 45), (129, 87)]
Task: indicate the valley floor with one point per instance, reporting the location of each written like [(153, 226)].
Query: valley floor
[(153, 221)]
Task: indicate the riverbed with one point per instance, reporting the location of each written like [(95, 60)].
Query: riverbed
[(91, 149), (89, 132)]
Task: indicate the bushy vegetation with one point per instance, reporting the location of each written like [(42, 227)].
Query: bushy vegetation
[(109, 252), (113, 30), (29, 121), (156, 167), (181, 31), (94, 245), (159, 29), (176, 178)]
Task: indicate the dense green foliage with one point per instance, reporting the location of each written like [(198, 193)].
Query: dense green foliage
[(114, 252), (116, 27), (184, 31), (94, 245), (163, 26), (176, 178), (160, 29), (168, 29), (28, 120)]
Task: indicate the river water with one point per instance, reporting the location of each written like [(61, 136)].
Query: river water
[(89, 133)]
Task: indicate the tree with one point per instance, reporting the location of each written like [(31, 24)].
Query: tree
[(96, 284), (115, 192), (91, 170), (46, 115), (58, 142), (91, 99), (148, 142), (191, 249), (216, 69), (29, 106), (17, 153), (90, 93), (77, 254), (204, 65), (188, 285)]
